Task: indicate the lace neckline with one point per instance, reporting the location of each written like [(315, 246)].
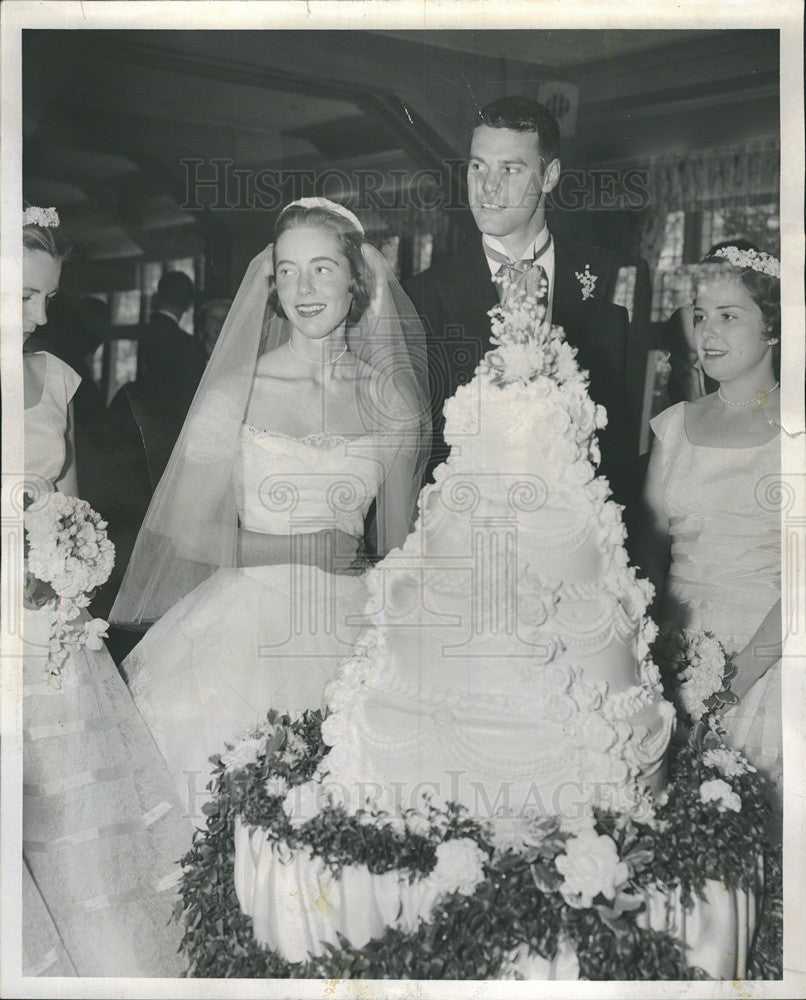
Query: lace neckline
[(318, 439)]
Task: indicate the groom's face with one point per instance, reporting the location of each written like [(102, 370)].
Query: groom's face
[(506, 179)]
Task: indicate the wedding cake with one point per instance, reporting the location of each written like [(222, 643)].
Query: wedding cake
[(507, 664), (485, 793)]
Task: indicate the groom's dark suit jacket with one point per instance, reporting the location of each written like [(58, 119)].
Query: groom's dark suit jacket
[(453, 298)]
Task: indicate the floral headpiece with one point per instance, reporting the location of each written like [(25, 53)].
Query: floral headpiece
[(48, 218), (756, 260), (329, 206)]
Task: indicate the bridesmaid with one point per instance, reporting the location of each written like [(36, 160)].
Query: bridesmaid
[(713, 546), (102, 827)]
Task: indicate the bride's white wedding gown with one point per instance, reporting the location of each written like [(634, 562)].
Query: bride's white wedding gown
[(726, 563), (270, 637)]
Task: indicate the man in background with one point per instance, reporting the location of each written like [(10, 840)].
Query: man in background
[(170, 361)]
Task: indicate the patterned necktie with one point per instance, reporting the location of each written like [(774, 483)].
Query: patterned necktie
[(526, 274)]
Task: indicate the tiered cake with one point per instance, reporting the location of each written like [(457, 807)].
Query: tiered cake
[(507, 666)]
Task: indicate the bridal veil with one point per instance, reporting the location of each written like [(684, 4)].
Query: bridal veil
[(191, 527)]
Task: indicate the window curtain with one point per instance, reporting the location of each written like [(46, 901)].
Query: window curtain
[(721, 177)]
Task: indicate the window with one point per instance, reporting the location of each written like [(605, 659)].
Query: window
[(687, 238), (125, 307), (624, 293), (666, 286), (390, 248), (423, 251), (124, 362)]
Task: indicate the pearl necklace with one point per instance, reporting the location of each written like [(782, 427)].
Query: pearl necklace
[(331, 361), (759, 399)]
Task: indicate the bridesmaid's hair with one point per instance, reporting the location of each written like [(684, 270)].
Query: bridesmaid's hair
[(764, 289), (47, 239), (350, 242)]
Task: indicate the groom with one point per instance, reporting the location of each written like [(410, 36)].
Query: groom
[(513, 163)]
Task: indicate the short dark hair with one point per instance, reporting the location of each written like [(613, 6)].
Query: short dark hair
[(524, 114), (175, 289), (350, 240)]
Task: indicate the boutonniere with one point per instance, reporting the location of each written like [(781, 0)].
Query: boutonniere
[(587, 282)]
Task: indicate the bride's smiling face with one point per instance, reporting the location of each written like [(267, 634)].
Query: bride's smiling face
[(729, 330), (313, 281)]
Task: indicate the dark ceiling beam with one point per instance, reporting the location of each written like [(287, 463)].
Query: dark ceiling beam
[(740, 47), (136, 48), (387, 70), (405, 126), (673, 101)]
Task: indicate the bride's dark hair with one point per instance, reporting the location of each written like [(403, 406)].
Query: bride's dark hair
[(350, 242)]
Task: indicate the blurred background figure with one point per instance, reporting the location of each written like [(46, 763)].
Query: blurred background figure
[(170, 361), (96, 315), (212, 314), (169, 366)]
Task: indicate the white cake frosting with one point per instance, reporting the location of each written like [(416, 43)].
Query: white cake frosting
[(506, 662)]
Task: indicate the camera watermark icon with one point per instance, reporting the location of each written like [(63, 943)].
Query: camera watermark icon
[(784, 495), (22, 493)]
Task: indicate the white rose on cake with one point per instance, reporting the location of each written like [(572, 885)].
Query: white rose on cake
[(721, 794), (566, 363), (417, 824), (334, 727), (517, 833), (590, 866), (729, 763), (242, 753), (459, 867), (302, 803)]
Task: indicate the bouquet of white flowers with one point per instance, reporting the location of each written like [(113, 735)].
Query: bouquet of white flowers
[(68, 556), (696, 669)]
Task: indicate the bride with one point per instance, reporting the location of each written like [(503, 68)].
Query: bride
[(311, 419), (713, 551)]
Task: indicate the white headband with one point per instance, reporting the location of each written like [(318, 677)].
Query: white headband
[(756, 260), (48, 218), (328, 206)]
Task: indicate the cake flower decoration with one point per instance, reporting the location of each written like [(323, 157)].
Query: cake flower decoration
[(590, 866), (721, 794)]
